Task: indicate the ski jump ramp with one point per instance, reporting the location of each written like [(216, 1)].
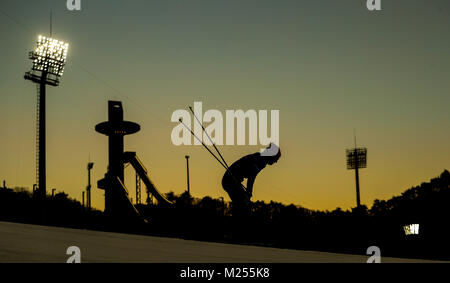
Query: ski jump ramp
[(131, 157)]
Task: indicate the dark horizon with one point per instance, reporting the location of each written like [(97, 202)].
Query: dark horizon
[(386, 224)]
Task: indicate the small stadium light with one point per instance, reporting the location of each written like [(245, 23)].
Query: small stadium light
[(411, 229), (356, 157)]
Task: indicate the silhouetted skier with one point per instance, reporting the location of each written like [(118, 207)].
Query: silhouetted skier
[(248, 168)]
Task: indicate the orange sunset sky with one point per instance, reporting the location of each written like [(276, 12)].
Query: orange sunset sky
[(329, 66)]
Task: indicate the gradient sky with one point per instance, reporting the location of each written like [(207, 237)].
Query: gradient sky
[(328, 66)]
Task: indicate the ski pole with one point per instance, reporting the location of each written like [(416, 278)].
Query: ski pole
[(181, 121), (223, 159), (224, 166)]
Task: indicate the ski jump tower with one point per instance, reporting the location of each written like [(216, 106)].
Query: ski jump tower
[(117, 202)]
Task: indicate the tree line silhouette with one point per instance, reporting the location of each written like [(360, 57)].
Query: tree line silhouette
[(270, 224)]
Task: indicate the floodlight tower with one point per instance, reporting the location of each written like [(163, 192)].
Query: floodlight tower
[(357, 159), (49, 59)]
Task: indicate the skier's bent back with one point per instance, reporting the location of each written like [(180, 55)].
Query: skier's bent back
[(248, 168)]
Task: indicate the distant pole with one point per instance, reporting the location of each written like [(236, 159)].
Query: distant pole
[(51, 23), (42, 181), (53, 192), (4, 184), (358, 202), (83, 197), (88, 188), (187, 167)]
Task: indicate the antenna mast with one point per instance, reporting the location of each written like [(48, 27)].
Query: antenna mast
[(51, 23)]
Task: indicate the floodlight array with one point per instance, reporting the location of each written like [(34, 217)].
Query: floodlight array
[(411, 229), (356, 157), (50, 56)]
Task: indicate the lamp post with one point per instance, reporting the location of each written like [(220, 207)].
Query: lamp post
[(49, 59), (88, 188), (187, 167)]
